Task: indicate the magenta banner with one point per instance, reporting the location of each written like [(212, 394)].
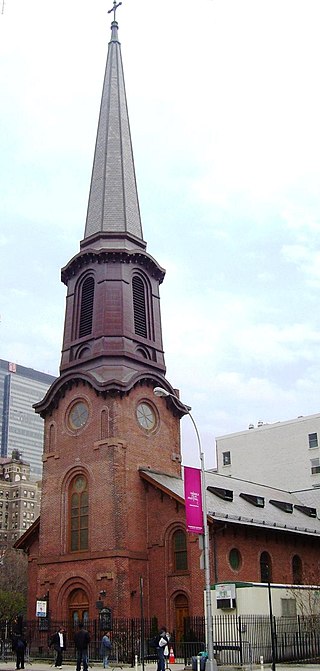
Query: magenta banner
[(193, 500)]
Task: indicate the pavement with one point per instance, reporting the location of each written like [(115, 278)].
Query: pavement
[(48, 666)]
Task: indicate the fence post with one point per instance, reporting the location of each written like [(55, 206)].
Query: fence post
[(299, 642), (240, 639)]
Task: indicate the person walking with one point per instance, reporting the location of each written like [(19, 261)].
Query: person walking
[(164, 638), (58, 640), (81, 641), (105, 649)]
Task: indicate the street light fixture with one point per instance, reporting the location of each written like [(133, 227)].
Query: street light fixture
[(159, 391)]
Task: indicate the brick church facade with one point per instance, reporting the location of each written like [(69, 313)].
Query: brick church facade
[(112, 509)]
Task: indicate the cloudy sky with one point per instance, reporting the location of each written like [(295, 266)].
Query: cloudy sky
[(224, 108)]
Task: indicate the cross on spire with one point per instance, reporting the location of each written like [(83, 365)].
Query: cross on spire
[(114, 8)]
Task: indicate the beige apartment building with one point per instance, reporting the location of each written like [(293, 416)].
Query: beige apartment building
[(19, 499), (284, 454)]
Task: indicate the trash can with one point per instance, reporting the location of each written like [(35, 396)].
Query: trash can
[(203, 660)]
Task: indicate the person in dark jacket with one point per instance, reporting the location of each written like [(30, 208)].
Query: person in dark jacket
[(81, 641), (58, 640), (19, 645)]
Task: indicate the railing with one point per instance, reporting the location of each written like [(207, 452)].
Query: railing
[(249, 637), (238, 641)]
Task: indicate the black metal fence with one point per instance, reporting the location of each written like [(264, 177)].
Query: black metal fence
[(237, 640), (245, 639)]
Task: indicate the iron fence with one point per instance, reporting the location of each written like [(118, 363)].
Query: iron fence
[(238, 640), (244, 639)]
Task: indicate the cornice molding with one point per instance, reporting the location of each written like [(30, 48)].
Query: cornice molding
[(92, 256)]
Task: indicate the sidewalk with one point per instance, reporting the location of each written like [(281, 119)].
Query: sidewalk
[(48, 666)]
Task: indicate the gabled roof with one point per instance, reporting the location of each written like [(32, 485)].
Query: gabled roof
[(295, 512), (24, 542)]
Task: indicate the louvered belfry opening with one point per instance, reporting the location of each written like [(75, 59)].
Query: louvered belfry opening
[(86, 310), (139, 307)]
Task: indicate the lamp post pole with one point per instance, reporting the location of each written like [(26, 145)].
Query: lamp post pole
[(159, 391), (272, 633)]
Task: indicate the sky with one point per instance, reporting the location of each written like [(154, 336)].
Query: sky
[(224, 108)]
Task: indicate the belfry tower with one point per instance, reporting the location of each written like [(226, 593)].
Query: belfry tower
[(101, 422)]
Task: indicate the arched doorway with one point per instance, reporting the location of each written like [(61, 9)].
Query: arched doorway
[(78, 607), (181, 610)]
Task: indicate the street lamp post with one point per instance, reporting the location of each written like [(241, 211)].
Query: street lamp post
[(159, 391), (272, 632)]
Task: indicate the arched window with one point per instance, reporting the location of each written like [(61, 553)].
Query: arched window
[(265, 567), (86, 307), (297, 570), (78, 507), (139, 307), (180, 551)]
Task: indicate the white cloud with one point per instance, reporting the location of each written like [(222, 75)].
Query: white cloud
[(224, 112)]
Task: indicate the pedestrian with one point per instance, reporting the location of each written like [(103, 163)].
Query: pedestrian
[(81, 641), (19, 645), (166, 650), (163, 641), (105, 649), (58, 640)]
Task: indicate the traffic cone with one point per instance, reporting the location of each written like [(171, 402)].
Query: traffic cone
[(171, 656)]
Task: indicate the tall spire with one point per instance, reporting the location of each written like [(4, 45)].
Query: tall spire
[(113, 206)]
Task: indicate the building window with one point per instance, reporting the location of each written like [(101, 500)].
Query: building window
[(180, 551), (235, 559), (315, 466), (139, 307), (265, 567), (86, 307), (288, 608), (313, 440), (78, 506), (297, 570), (226, 458)]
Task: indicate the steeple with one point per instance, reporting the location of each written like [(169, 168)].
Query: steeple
[(113, 206), (112, 336)]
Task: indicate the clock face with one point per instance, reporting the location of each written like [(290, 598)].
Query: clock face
[(78, 415), (146, 416)]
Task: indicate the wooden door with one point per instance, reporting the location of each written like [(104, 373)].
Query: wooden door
[(181, 607), (78, 607)]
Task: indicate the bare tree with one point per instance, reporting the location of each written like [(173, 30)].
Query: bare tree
[(13, 571), (307, 594), (13, 583)]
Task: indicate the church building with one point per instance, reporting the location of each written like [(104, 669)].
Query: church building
[(112, 512), (102, 421)]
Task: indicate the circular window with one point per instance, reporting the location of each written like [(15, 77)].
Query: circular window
[(146, 416), (235, 559), (78, 415)]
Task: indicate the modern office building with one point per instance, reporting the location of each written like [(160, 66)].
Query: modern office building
[(21, 428)]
